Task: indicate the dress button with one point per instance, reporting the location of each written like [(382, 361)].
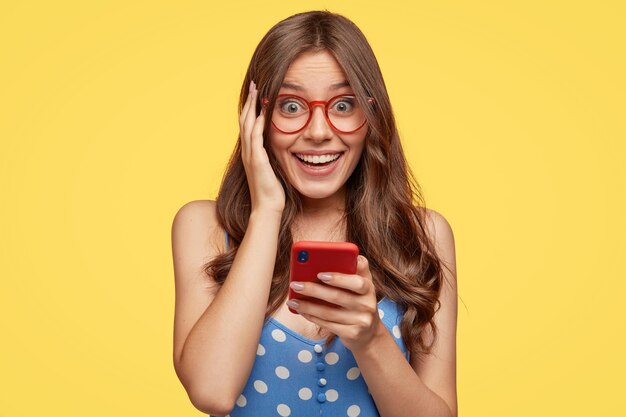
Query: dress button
[(318, 348), (321, 397), (321, 382), (320, 366)]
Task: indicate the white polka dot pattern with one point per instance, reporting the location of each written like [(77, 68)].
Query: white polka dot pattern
[(331, 358), (260, 386), (332, 395), (279, 335), (396, 332), (283, 410), (353, 373), (305, 356), (354, 410), (282, 372), (294, 376), (305, 393)]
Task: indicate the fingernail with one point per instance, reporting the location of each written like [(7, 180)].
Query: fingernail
[(293, 304), (297, 286), (324, 276), (250, 88)]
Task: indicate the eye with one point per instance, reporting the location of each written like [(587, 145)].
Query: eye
[(343, 105), (291, 106)]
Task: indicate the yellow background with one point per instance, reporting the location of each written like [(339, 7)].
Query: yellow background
[(115, 114)]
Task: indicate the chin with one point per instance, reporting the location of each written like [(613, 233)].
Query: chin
[(317, 191)]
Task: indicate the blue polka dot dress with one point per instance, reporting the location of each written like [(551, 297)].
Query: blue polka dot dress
[(294, 376)]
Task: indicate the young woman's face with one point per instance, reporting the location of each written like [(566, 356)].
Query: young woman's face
[(312, 76)]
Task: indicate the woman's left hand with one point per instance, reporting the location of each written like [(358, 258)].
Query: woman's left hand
[(356, 320)]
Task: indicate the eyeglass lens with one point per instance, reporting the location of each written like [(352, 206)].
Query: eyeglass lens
[(291, 113)]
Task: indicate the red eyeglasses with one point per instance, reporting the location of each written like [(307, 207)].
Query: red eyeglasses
[(293, 113)]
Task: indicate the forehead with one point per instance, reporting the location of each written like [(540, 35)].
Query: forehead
[(315, 71)]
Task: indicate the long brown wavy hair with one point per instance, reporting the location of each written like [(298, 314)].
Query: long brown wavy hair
[(384, 208)]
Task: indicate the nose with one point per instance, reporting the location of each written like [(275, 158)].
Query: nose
[(318, 128)]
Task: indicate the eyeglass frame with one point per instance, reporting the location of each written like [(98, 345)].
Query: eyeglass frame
[(311, 104)]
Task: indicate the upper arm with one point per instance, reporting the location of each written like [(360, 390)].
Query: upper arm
[(438, 370), (195, 232)]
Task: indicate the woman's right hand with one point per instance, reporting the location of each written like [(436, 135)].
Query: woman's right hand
[(266, 192)]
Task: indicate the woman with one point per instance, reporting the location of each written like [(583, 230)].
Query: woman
[(318, 158)]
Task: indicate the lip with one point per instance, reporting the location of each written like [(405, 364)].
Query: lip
[(318, 172), (312, 152)]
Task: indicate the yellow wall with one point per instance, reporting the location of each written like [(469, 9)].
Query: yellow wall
[(114, 114)]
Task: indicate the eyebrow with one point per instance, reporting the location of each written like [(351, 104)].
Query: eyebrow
[(335, 86)]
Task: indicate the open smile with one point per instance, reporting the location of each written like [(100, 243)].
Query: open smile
[(318, 165)]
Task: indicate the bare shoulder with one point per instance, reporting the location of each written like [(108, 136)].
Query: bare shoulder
[(435, 220), (440, 233), (196, 231), (195, 241), (197, 210), (438, 370)]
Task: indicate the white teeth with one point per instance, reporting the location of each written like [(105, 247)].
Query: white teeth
[(318, 159)]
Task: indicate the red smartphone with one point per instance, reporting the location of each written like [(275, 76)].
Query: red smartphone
[(308, 258)]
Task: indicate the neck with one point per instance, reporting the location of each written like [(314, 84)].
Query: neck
[(330, 206), (321, 218)]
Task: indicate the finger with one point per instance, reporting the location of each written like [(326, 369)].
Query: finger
[(250, 121), (333, 295), (256, 140), (251, 115), (363, 268), (245, 143), (325, 324), (327, 313), (246, 106), (351, 282)]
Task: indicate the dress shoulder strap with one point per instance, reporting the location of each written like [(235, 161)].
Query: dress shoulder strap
[(226, 234)]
